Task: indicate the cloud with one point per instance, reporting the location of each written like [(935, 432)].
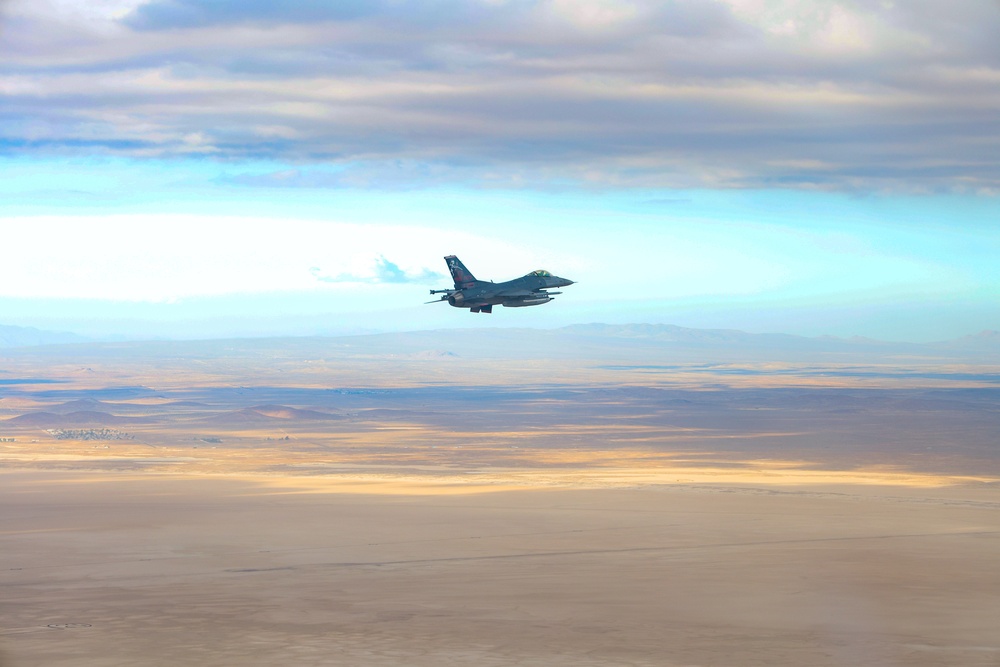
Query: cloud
[(386, 175), (173, 14), (847, 95), (383, 271), (166, 258)]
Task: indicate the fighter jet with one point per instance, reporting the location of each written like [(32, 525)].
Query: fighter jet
[(479, 296)]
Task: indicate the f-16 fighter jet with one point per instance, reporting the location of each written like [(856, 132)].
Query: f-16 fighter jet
[(480, 296)]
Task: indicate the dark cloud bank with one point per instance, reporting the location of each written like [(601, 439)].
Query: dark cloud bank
[(855, 95)]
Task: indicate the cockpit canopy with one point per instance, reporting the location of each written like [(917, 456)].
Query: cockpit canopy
[(541, 273)]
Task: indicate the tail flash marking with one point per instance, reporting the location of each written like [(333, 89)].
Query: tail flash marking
[(462, 276)]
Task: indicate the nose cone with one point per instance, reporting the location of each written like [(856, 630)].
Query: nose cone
[(556, 281)]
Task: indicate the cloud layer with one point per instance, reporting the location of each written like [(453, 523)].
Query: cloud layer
[(385, 272), (165, 258), (849, 95)]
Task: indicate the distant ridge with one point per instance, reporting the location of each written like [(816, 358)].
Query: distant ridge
[(674, 333), (81, 418), (641, 343), (611, 343), (11, 336), (987, 338), (268, 414), (706, 338), (81, 405), (85, 405)]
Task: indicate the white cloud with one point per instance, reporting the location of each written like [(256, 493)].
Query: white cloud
[(593, 14), (158, 258), (92, 14)]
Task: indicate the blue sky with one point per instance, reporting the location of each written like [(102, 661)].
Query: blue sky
[(178, 168)]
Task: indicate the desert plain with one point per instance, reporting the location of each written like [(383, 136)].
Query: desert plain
[(380, 501)]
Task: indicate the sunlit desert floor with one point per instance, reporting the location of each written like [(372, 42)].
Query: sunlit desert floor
[(590, 521), (149, 569)]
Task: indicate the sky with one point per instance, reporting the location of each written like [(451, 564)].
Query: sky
[(206, 168)]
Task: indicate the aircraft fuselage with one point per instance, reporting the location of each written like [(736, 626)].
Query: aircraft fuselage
[(480, 296)]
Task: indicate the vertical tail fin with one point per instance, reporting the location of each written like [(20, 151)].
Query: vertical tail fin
[(462, 276)]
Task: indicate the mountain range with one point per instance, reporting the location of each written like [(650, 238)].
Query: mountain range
[(625, 342), (11, 336)]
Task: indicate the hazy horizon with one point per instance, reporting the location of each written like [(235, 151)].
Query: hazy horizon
[(15, 336), (240, 168)]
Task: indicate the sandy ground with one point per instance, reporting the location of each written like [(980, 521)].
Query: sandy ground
[(108, 568), (206, 507)]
